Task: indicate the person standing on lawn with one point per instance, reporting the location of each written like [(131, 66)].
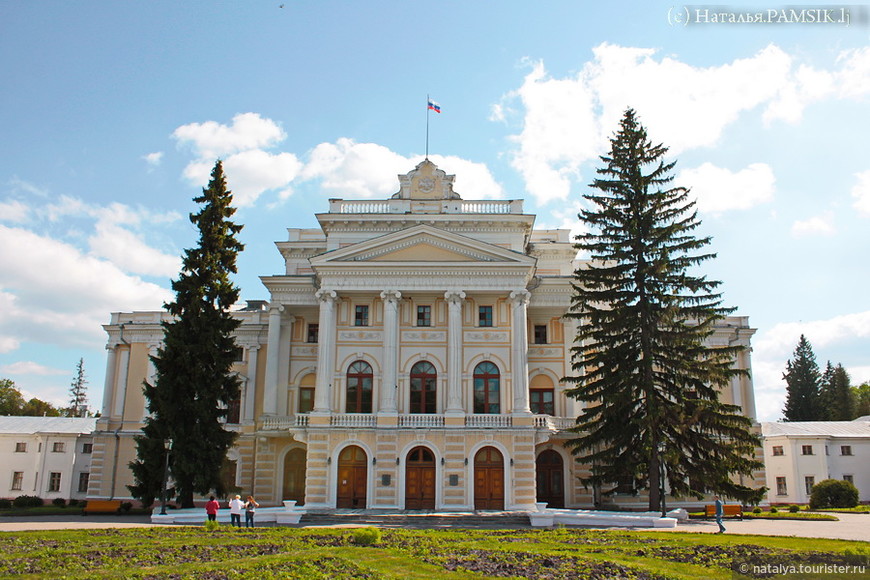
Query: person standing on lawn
[(236, 506), (211, 508), (720, 511), (250, 508)]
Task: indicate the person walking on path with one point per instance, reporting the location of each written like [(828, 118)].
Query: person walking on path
[(236, 506), (250, 508), (211, 508), (720, 511)]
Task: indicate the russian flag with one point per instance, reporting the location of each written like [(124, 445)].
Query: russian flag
[(434, 106)]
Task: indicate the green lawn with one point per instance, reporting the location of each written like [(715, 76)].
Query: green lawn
[(193, 552)]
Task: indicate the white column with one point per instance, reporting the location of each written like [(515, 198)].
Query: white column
[(151, 375), (250, 385), (284, 366), (325, 350), (121, 383), (273, 358), (390, 380), (454, 351), (520, 351), (109, 383)]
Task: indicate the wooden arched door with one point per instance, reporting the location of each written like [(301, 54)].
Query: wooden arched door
[(489, 479), (420, 479), (352, 478), (294, 476), (550, 476)]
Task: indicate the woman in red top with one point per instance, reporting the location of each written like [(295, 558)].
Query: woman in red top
[(211, 508)]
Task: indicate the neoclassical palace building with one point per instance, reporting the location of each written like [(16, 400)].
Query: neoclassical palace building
[(410, 356)]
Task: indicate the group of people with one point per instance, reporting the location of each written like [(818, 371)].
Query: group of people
[(236, 506)]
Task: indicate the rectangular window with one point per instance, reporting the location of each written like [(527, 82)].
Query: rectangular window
[(845, 450), (777, 451), (361, 316), (541, 401), (540, 334), (17, 480), (57, 447), (484, 315), (809, 482), (54, 481), (781, 489), (424, 316), (87, 448), (306, 399), (849, 478), (238, 354), (21, 447), (84, 478), (806, 449), (313, 333)]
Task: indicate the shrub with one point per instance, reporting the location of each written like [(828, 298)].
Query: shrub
[(794, 508), (212, 525), (58, 502), (73, 503), (833, 493), (25, 501), (126, 506), (367, 536), (773, 510), (5, 504), (756, 510)]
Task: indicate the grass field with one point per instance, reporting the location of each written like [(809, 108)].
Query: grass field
[(195, 552)]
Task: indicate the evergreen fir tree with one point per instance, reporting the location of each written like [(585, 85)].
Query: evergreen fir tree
[(825, 409), (650, 383), (842, 406), (78, 393), (194, 384), (803, 379)]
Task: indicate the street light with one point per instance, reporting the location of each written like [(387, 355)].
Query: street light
[(167, 446), (661, 450)]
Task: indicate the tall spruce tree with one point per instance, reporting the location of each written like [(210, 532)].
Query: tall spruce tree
[(642, 365), (194, 384), (78, 393), (803, 379), (835, 394)]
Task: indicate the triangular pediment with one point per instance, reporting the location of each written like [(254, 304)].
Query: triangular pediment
[(423, 243)]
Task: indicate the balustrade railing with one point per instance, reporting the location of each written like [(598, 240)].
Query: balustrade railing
[(412, 421), (415, 421), (488, 421), (353, 420), (495, 206)]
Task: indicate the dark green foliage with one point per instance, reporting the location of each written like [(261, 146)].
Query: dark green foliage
[(861, 400), (773, 510), (367, 536), (13, 403), (27, 501), (5, 504), (58, 502), (833, 493), (78, 393), (835, 395), (756, 510), (194, 384), (803, 378), (793, 508), (640, 359)]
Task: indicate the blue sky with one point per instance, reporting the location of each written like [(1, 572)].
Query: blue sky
[(112, 114)]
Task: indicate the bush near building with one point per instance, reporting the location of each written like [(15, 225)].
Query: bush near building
[(833, 493)]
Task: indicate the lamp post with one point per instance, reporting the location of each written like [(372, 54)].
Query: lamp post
[(167, 446), (661, 450)]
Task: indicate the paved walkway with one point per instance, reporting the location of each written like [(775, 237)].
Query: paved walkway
[(850, 526)]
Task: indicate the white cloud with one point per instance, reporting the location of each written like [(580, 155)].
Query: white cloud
[(718, 190), (817, 225), (861, 193), (130, 253), (853, 78), (565, 218), (153, 159), (211, 139), (30, 368), (13, 211)]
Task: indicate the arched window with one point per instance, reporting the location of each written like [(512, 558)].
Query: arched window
[(359, 388), (541, 395), (486, 389), (423, 389)]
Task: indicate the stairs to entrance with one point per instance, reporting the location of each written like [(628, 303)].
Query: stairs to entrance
[(418, 520)]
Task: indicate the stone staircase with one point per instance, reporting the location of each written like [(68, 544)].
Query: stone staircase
[(416, 519)]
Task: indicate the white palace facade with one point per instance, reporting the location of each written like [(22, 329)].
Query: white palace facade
[(410, 356)]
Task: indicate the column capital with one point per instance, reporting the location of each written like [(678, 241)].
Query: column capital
[(326, 295), (391, 295), (454, 296), (520, 297), (276, 308)]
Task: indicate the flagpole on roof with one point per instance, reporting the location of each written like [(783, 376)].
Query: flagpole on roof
[(427, 126)]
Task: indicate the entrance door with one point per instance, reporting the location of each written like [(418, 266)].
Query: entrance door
[(488, 479), (420, 480), (352, 478), (550, 477), (294, 476)]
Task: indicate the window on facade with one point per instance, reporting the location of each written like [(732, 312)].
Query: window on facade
[(361, 316), (809, 482), (484, 315), (541, 401), (238, 354), (54, 481), (777, 450), (87, 448), (17, 480), (845, 450), (306, 399), (21, 447), (423, 388), (486, 389), (234, 411), (781, 489), (313, 333), (84, 478), (57, 447), (359, 388), (806, 449), (424, 316), (849, 478), (540, 334)]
